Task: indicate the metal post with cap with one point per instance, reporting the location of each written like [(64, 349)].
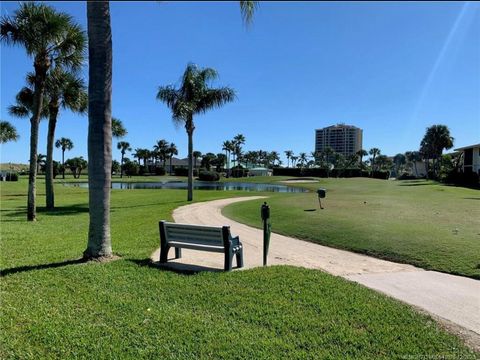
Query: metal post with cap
[(267, 229)]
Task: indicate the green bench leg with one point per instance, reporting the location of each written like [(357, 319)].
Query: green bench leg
[(239, 256), (228, 260)]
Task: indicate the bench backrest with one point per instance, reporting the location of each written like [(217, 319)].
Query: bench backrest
[(194, 234)]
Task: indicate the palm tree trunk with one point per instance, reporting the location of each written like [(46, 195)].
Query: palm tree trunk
[(63, 162), (171, 172), (32, 175), (121, 167), (49, 192), (39, 90), (99, 128), (190, 162)]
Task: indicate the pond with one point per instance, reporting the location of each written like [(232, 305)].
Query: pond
[(201, 185)]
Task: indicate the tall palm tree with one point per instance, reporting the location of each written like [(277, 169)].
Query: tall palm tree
[(413, 157), (172, 150), (161, 148), (63, 89), (49, 37), (436, 139), (8, 132), (41, 161), (227, 147), (361, 153), (123, 146), (99, 128), (274, 156), (196, 155), (193, 97), (302, 158), (237, 142), (64, 144), (288, 154), (118, 130), (374, 152)]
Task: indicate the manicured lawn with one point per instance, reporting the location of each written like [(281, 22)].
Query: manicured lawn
[(54, 307), (418, 222)]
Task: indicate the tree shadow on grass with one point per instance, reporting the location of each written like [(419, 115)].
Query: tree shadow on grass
[(417, 184), (60, 210), (21, 269), (178, 268), (64, 210), (472, 198)]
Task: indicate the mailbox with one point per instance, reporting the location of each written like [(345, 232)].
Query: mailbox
[(321, 193)]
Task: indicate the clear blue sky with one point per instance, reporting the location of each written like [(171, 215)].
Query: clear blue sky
[(390, 68)]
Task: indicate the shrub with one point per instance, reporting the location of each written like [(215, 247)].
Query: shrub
[(236, 172), (209, 176), (183, 171), (160, 171), (11, 176), (131, 168)]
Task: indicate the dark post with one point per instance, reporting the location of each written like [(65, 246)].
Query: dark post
[(267, 227)]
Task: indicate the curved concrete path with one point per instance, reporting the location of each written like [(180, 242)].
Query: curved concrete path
[(454, 298)]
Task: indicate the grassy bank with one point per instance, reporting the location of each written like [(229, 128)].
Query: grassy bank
[(418, 222), (56, 307)]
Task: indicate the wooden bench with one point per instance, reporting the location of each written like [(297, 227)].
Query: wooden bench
[(200, 237)]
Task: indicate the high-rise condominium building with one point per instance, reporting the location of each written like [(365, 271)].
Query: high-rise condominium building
[(344, 139)]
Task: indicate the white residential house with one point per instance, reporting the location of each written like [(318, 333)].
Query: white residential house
[(471, 158)]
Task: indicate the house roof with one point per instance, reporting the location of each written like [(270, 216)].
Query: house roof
[(468, 147)]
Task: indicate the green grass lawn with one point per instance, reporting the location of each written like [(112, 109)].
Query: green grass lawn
[(418, 222), (55, 307)]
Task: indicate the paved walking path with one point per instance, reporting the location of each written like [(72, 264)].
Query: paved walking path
[(454, 298)]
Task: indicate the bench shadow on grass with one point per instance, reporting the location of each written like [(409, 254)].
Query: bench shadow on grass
[(179, 268), (20, 269)]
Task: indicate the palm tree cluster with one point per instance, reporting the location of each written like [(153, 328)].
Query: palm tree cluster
[(161, 152), (8, 132), (56, 44)]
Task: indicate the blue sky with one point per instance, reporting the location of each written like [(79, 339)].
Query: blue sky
[(390, 68)]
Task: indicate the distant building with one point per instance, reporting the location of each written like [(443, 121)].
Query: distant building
[(471, 158), (344, 139)]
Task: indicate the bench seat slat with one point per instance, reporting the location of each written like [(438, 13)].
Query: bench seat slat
[(194, 246)]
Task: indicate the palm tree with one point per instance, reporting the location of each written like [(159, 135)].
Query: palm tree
[(374, 152), (40, 161), (413, 157), (361, 153), (294, 160), (63, 89), (118, 130), (99, 129), (161, 148), (8, 132), (172, 150), (288, 154), (193, 97), (100, 126), (274, 156), (123, 146), (436, 139), (302, 158), (399, 160), (237, 142), (196, 155), (65, 144), (227, 147), (49, 37)]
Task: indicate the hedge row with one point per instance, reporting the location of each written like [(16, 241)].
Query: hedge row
[(323, 173)]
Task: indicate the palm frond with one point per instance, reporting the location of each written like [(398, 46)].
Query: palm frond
[(215, 98), (247, 8), (18, 111)]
